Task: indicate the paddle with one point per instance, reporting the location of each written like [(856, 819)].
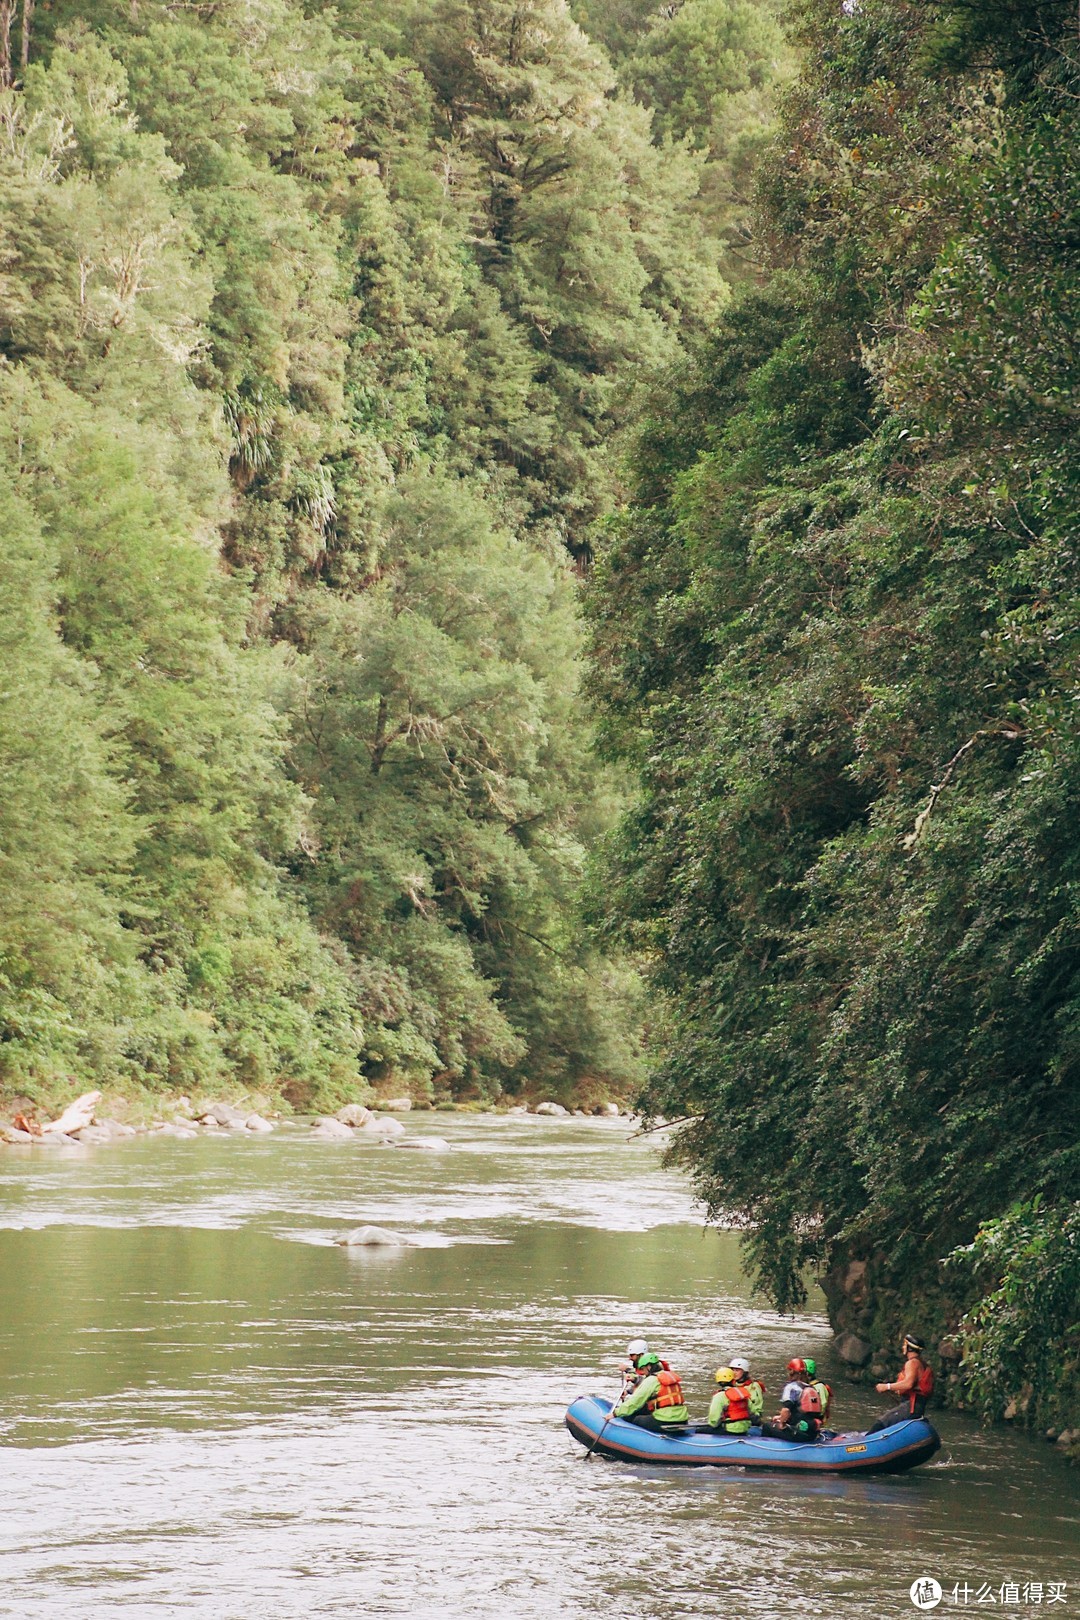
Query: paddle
[(611, 1414)]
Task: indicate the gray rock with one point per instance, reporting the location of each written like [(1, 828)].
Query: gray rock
[(382, 1129), (397, 1105), (95, 1135), (115, 1128), (550, 1108), (854, 1277), (181, 1133), (224, 1114), (374, 1237), (611, 1110), (1051, 1435), (16, 1138), (518, 1108), (855, 1351), (423, 1144), (579, 1113), (55, 1139), (331, 1130), (353, 1114), (255, 1122), (1067, 1436)]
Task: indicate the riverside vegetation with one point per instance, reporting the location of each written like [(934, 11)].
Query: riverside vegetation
[(835, 634), (317, 325), (326, 334)]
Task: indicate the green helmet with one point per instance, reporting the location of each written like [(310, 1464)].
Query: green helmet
[(650, 1360), (811, 1367)]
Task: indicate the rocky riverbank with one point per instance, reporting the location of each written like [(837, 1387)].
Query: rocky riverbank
[(870, 1306), (96, 1123)]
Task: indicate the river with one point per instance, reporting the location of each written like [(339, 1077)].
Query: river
[(209, 1409)]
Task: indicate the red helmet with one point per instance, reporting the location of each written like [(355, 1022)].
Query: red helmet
[(797, 1366)]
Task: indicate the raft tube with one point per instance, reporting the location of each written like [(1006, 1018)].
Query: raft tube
[(890, 1451)]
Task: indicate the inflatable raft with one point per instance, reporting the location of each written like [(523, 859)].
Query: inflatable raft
[(890, 1451)]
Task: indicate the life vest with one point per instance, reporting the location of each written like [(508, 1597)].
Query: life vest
[(738, 1404), (670, 1391), (755, 1394), (810, 1402), (825, 1392), (924, 1386)]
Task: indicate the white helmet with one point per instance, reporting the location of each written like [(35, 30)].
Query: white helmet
[(738, 1364), (637, 1347)]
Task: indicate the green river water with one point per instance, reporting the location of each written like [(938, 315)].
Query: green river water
[(209, 1409)]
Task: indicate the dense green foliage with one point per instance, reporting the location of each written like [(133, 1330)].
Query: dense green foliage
[(1022, 1337), (317, 326), (835, 633)]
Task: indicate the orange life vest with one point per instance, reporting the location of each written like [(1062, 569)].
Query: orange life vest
[(810, 1402), (738, 1404), (670, 1392), (924, 1386)]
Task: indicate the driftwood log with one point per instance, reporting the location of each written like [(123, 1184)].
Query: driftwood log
[(75, 1116)]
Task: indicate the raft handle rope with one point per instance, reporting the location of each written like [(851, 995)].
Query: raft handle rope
[(607, 1420)]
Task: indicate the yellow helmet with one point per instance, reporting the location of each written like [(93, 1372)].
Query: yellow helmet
[(724, 1375)]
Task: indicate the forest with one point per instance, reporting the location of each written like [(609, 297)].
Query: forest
[(539, 554), (319, 326), (835, 636)]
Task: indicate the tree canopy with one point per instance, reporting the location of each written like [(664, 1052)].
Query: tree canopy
[(319, 327), (833, 632)]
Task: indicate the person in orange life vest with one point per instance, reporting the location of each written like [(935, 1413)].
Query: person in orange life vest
[(755, 1389), (730, 1408), (655, 1401), (915, 1384), (799, 1417), (823, 1389)]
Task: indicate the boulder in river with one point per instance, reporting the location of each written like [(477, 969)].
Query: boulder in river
[(182, 1133), (17, 1138), (55, 1139), (397, 1105), (96, 1135), (224, 1114), (382, 1129), (353, 1114), (855, 1351), (374, 1237), (551, 1108), (329, 1130), (423, 1144), (255, 1122)]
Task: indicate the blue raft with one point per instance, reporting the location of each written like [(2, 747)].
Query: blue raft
[(890, 1451)]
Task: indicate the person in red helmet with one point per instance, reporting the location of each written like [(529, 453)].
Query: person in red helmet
[(799, 1417)]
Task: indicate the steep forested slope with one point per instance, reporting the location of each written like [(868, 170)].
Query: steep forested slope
[(317, 326), (836, 633)]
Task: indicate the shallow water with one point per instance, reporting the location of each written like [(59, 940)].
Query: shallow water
[(209, 1409)]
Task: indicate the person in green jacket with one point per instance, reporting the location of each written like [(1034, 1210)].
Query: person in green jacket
[(655, 1399), (823, 1389), (729, 1410), (755, 1389)]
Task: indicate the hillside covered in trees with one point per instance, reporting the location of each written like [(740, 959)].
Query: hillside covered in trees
[(835, 634), (319, 325)]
